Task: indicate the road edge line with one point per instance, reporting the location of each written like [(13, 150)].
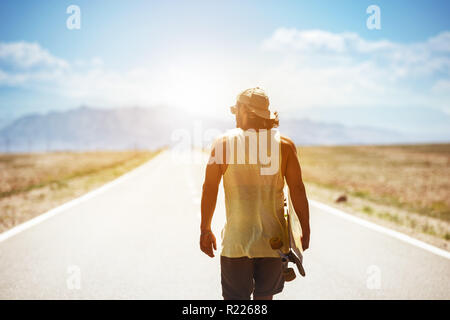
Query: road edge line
[(71, 203), (376, 227)]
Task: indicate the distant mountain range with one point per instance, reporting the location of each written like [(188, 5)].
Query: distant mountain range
[(87, 128)]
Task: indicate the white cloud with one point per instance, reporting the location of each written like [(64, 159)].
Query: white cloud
[(23, 62), (199, 82), (320, 41), (25, 55), (299, 68), (442, 86), (441, 42), (320, 68), (420, 58)]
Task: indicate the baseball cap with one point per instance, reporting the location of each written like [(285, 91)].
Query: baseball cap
[(257, 101)]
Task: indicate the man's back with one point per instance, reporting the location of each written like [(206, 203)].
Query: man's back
[(253, 196)]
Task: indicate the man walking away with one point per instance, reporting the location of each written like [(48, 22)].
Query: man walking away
[(254, 199)]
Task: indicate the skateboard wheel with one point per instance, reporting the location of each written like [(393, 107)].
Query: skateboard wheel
[(289, 274), (276, 243)]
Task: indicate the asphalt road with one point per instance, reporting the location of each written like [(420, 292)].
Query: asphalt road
[(139, 240)]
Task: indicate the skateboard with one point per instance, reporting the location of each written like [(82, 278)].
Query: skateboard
[(295, 250)]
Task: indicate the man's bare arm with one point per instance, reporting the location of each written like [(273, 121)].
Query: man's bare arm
[(213, 176), (209, 195), (297, 192)]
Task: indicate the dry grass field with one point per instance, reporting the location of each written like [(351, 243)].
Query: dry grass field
[(406, 185), (31, 184)]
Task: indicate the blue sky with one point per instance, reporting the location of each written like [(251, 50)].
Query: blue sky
[(316, 59)]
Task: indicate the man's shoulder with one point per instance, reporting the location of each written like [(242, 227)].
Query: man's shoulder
[(287, 143)]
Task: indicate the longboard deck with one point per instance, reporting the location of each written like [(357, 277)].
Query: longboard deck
[(294, 228), (290, 248)]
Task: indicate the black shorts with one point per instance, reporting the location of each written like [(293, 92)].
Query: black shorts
[(243, 276)]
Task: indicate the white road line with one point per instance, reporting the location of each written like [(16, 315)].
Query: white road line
[(72, 203), (395, 234)]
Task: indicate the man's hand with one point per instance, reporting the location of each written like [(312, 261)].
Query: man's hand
[(305, 241), (208, 242)]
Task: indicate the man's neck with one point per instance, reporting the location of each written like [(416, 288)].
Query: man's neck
[(248, 128)]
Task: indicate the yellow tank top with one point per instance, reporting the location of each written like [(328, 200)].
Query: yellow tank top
[(254, 199)]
